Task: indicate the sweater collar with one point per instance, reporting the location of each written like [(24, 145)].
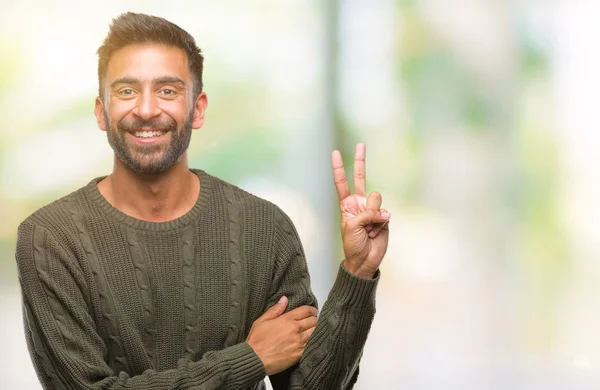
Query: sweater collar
[(206, 191)]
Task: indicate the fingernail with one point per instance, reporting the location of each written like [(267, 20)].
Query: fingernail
[(281, 300), (385, 214)]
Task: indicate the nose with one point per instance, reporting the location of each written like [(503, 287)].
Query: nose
[(147, 106)]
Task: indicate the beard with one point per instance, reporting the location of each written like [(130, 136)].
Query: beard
[(149, 159)]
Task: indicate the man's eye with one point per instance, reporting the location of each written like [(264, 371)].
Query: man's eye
[(126, 91), (168, 92)]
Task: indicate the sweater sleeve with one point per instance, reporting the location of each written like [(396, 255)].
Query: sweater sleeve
[(65, 347), (332, 355)]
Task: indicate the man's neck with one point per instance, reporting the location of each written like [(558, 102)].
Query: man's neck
[(154, 198)]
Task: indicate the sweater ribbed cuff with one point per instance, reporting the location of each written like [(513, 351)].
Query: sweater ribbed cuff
[(352, 290), (246, 367)]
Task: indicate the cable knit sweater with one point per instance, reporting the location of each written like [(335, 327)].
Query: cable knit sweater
[(114, 302)]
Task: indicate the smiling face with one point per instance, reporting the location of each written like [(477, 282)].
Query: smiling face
[(149, 109)]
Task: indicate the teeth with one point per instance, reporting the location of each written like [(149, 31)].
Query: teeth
[(148, 134)]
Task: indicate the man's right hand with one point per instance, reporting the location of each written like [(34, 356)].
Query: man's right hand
[(279, 339)]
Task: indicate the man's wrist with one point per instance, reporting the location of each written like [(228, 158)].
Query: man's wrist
[(358, 271)]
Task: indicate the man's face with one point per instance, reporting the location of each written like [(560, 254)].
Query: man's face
[(148, 110)]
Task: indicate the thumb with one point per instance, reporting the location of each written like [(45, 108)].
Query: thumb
[(276, 310), (369, 217)]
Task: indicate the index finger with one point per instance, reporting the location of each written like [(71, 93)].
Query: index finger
[(302, 312), (339, 175), (360, 175)]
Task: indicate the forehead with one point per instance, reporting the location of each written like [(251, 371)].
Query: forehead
[(148, 62)]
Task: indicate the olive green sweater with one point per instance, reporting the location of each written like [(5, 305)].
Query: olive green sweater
[(114, 302)]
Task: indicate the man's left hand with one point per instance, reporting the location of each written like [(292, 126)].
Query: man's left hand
[(365, 227)]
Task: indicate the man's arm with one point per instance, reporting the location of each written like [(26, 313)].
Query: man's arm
[(331, 356), (66, 349)]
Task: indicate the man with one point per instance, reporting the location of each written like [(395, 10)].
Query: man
[(161, 277)]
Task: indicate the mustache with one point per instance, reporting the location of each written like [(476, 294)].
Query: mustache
[(138, 123)]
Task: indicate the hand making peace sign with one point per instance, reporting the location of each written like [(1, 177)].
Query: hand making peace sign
[(365, 228)]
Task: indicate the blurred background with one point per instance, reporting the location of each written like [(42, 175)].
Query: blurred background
[(478, 117)]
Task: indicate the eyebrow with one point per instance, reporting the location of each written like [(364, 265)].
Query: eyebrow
[(158, 80)]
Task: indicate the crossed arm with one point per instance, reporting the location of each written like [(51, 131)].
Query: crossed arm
[(295, 349)]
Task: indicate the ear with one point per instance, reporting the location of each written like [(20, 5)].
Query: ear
[(99, 112), (199, 109)]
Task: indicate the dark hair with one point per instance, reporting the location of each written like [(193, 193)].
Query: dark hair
[(134, 28)]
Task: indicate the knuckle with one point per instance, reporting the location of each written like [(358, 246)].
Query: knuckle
[(302, 310)]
